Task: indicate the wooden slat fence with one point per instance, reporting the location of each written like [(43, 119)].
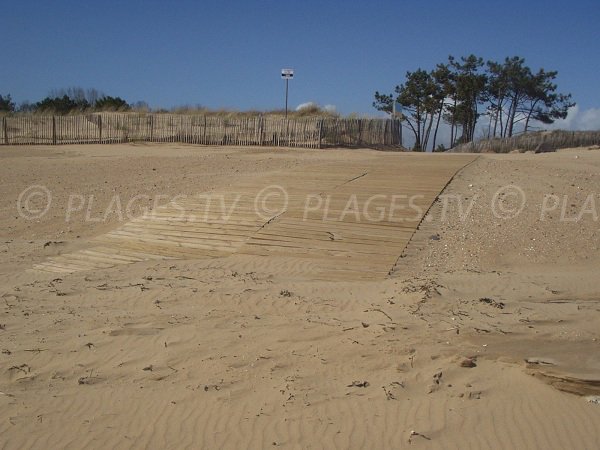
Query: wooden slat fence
[(197, 129), (552, 140)]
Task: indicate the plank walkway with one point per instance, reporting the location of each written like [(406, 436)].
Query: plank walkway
[(352, 220)]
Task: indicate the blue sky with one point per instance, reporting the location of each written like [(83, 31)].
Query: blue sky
[(229, 53)]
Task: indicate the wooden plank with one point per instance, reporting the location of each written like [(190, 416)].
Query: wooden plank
[(337, 249), (5, 129)]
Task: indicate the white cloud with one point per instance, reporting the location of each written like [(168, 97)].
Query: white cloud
[(328, 108), (588, 119), (306, 105)]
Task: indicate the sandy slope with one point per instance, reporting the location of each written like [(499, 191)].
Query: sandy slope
[(246, 352)]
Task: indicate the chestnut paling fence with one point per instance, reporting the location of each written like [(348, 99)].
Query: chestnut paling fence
[(108, 128), (551, 140)]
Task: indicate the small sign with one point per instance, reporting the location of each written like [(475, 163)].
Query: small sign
[(287, 73)]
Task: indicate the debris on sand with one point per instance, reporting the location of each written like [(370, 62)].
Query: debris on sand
[(593, 399), (492, 302), (361, 384), (414, 433), (468, 362), (540, 361), (49, 243)]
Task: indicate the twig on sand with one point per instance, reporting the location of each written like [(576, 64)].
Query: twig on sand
[(414, 433), (23, 368), (382, 312)]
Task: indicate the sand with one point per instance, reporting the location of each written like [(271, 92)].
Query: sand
[(483, 335)]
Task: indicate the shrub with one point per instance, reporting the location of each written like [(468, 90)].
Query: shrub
[(6, 104)]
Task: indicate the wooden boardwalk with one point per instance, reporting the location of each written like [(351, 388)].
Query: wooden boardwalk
[(351, 220)]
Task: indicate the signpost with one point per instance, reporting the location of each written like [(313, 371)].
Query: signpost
[(287, 75)]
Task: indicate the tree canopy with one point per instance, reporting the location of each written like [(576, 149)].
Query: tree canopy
[(462, 91), (108, 103), (66, 101), (78, 99), (6, 104), (60, 105)]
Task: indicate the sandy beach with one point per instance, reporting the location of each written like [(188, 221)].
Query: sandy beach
[(474, 325)]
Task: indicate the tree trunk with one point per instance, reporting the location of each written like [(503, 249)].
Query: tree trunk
[(452, 125), (498, 113), (418, 142), (529, 114), (511, 116), (415, 132), (428, 133), (474, 117), (437, 125)]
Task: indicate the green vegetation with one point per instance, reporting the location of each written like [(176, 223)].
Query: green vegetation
[(460, 92), (75, 100), (60, 105), (108, 103), (68, 101), (6, 104)]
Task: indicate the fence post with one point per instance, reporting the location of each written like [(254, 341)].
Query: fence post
[(53, 130), (5, 128), (100, 128), (151, 120), (399, 125), (260, 130), (320, 127)]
